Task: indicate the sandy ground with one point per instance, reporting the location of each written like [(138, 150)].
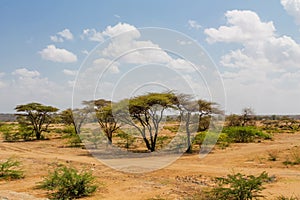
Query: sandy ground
[(182, 179)]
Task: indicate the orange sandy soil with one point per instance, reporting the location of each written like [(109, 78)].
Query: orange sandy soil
[(180, 180)]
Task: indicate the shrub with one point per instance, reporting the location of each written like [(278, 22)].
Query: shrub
[(241, 134), (281, 197), (17, 132), (295, 156), (9, 169), (239, 186), (68, 183), (210, 138), (74, 140)]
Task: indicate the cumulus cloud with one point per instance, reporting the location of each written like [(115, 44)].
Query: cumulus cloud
[(57, 55), (194, 24), (293, 8), (62, 35), (262, 48), (244, 26), (92, 35), (70, 72), (102, 64), (23, 72), (110, 31), (24, 85), (262, 65)]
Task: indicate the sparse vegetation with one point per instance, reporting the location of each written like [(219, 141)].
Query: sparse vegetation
[(282, 197), (244, 134), (239, 187), (10, 169), (68, 183), (293, 158)]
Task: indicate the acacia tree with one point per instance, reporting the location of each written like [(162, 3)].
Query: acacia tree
[(145, 113), (38, 116), (247, 116), (205, 110), (109, 125), (186, 107), (75, 117), (200, 109)]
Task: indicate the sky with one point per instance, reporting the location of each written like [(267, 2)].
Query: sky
[(51, 48)]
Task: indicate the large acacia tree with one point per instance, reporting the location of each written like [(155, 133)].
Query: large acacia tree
[(108, 123), (37, 115), (145, 113), (195, 112)]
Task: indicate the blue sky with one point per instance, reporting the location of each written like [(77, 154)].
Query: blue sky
[(255, 45)]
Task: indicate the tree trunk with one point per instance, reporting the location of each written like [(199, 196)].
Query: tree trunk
[(38, 135), (188, 134), (109, 141), (147, 144), (199, 122)]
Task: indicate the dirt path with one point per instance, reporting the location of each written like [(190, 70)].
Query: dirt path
[(183, 178)]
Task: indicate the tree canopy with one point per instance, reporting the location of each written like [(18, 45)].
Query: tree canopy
[(38, 116)]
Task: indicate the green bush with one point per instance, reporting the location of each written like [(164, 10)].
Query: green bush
[(210, 138), (68, 183), (16, 132), (74, 140), (244, 134), (9, 169), (69, 129), (239, 187)]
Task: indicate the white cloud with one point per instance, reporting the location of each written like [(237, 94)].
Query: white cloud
[(263, 66), (244, 26), (293, 8), (23, 72), (62, 35), (102, 64), (262, 48), (85, 52), (92, 35), (58, 55), (194, 24), (70, 72), (110, 31), (120, 28), (24, 86), (54, 38)]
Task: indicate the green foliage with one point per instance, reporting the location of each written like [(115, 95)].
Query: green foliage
[(9, 169), (36, 116), (73, 139), (173, 128), (239, 187), (127, 137), (244, 134), (69, 129), (17, 132), (68, 183), (161, 140), (210, 138)]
